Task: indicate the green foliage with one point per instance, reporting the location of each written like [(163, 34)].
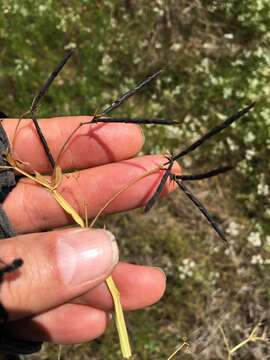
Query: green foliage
[(216, 58)]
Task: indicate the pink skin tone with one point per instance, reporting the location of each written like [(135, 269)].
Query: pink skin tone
[(61, 307)]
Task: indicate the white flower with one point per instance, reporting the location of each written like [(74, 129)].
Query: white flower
[(233, 229), (250, 137), (144, 43), (42, 8), (250, 153), (106, 62), (71, 45), (205, 64), (233, 146), (237, 62), (107, 59), (158, 11), (263, 189), (177, 90), (186, 269), (176, 47), (113, 23), (228, 36), (257, 259), (136, 60), (227, 92), (189, 263), (255, 239)]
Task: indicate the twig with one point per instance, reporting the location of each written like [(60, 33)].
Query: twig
[(130, 93), (251, 338), (13, 266), (123, 189), (214, 131), (37, 101), (206, 175), (201, 208), (126, 120), (179, 348), (159, 189), (44, 142), (226, 342), (49, 81)]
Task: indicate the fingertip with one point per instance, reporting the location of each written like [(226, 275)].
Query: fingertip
[(155, 277), (140, 136), (131, 139), (66, 325), (149, 285)]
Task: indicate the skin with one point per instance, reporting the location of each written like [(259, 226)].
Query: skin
[(39, 305)]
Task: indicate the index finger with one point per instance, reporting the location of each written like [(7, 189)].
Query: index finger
[(91, 145)]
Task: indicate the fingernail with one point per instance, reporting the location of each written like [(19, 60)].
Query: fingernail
[(85, 255), (142, 134), (160, 270)]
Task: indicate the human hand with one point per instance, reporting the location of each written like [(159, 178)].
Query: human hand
[(59, 294)]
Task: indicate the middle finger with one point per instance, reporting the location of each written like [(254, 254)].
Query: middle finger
[(91, 145), (32, 208)]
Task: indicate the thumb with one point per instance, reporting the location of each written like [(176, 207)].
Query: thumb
[(57, 267)]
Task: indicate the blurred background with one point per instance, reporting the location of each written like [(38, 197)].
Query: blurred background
[(216, 59)]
